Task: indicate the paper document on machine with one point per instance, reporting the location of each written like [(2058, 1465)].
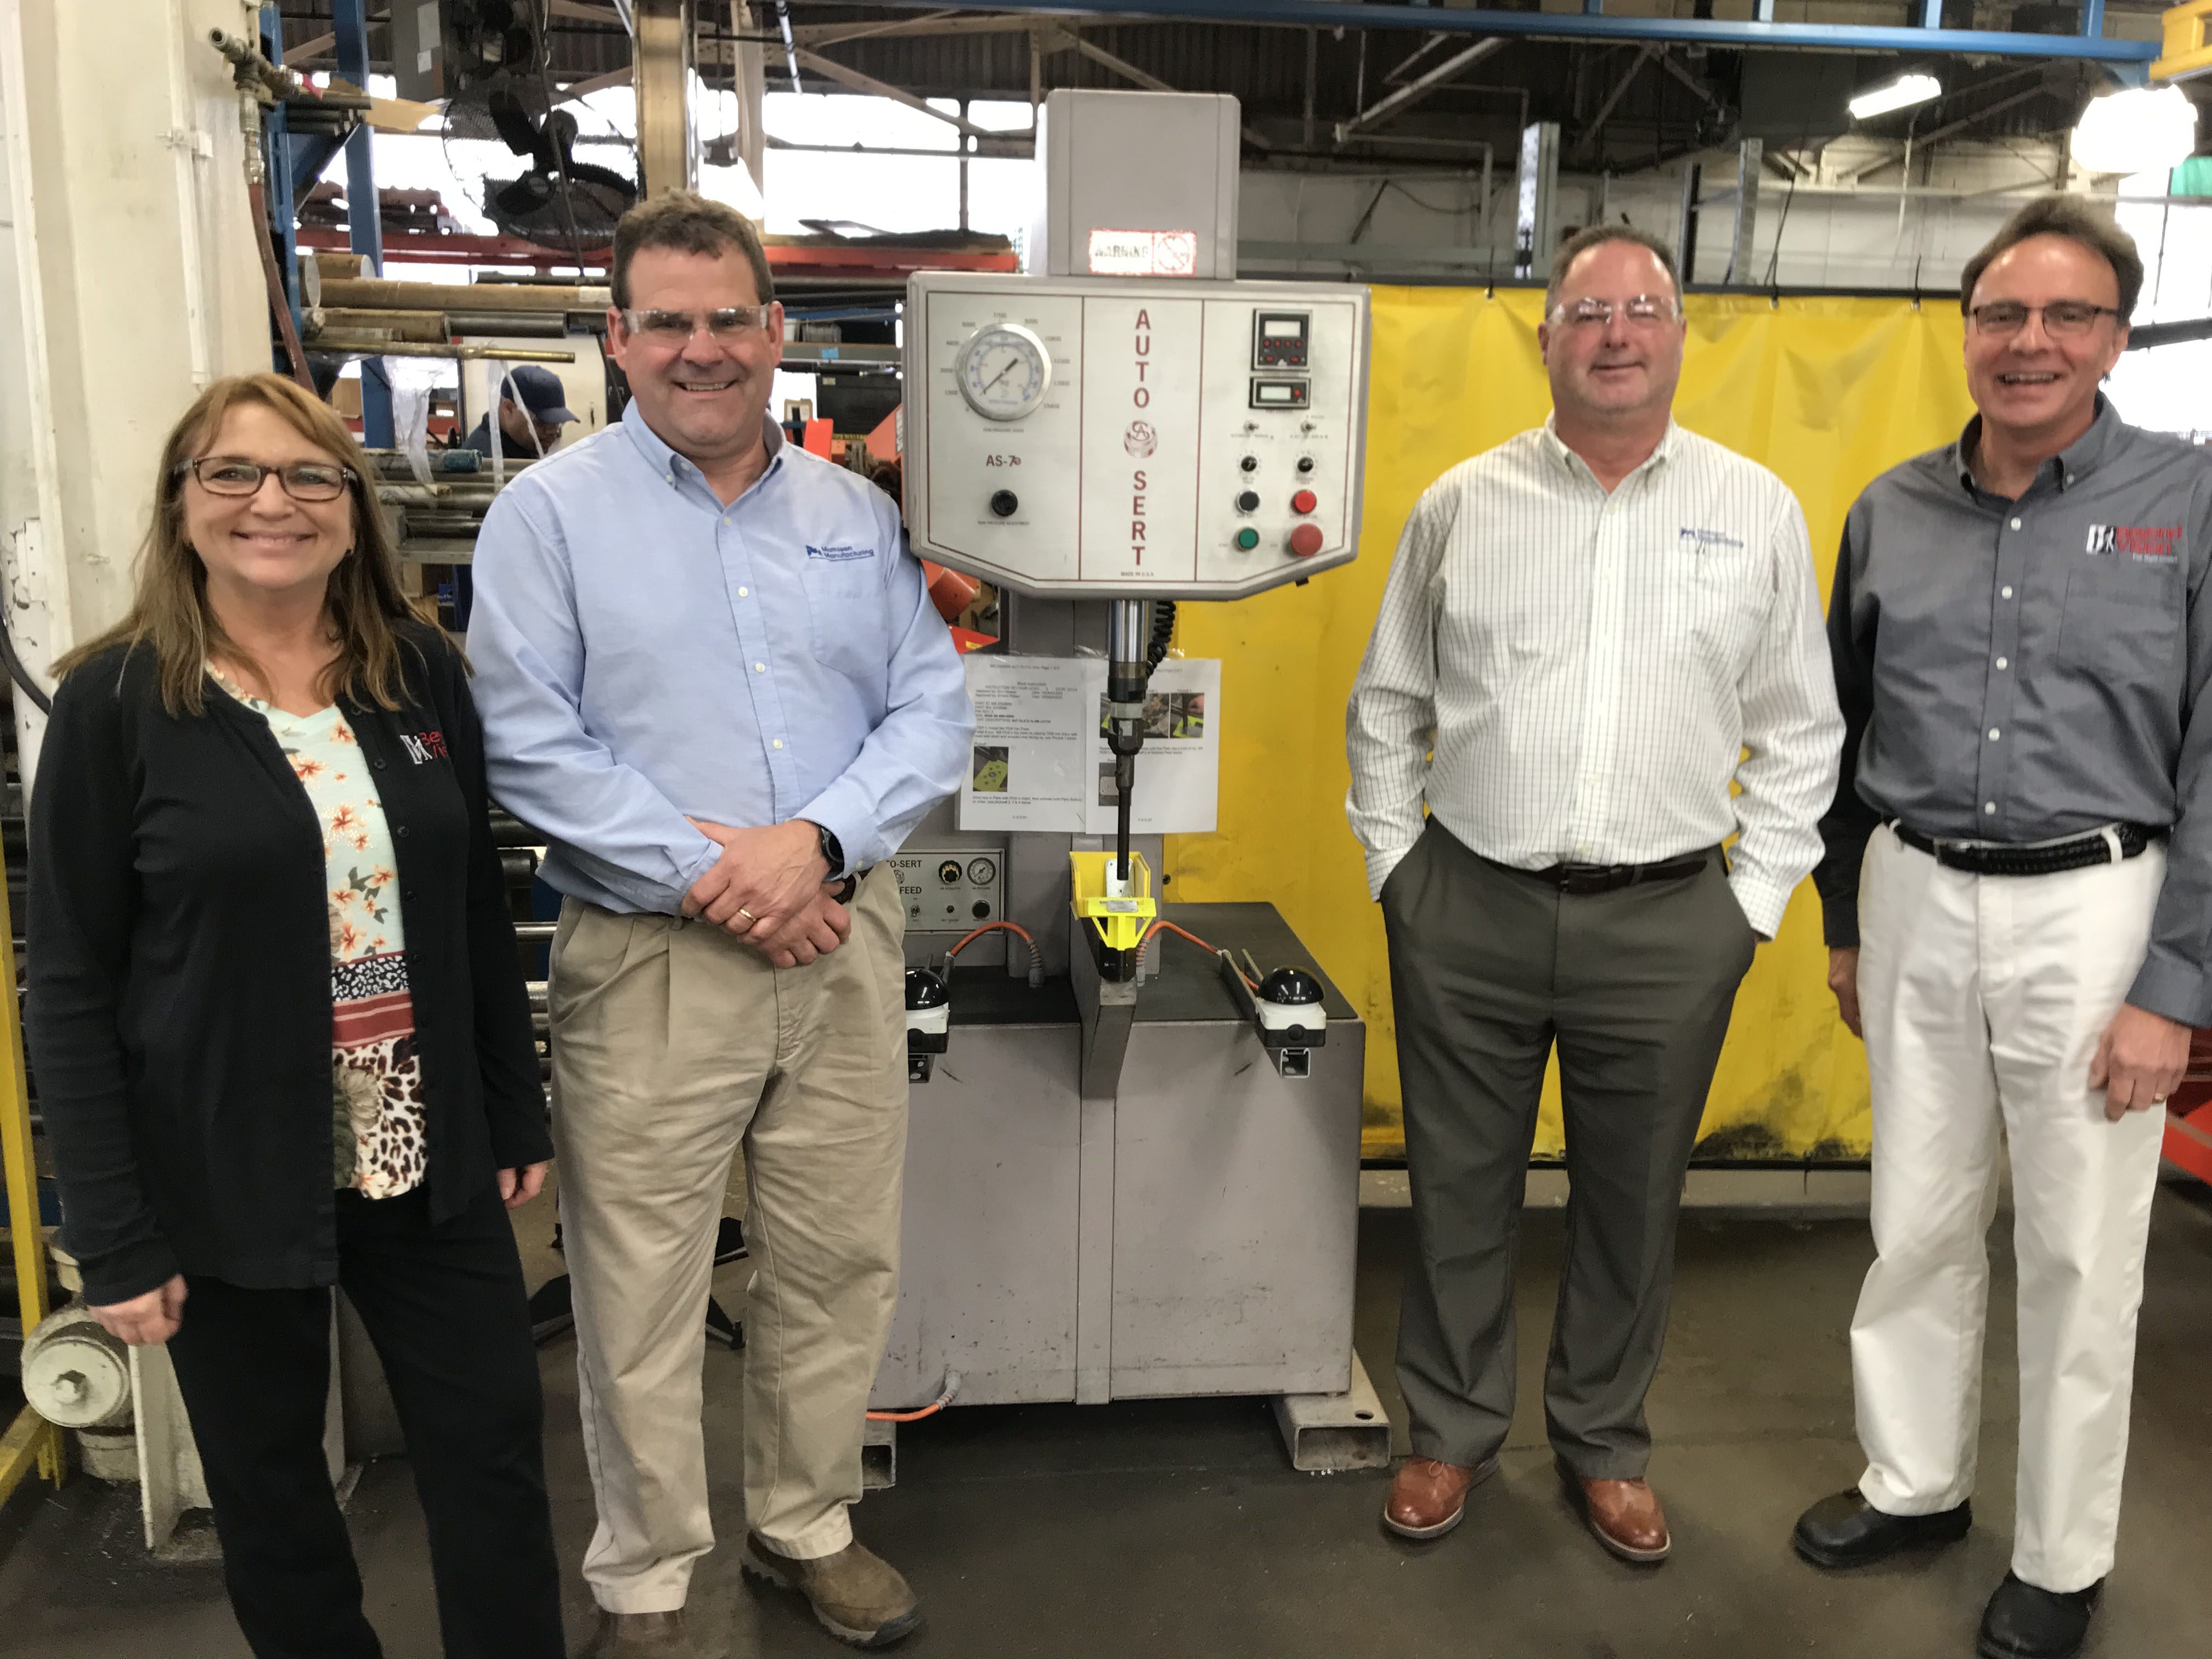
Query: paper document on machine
[(1041, 760), (1029, 767), (1179, 768)]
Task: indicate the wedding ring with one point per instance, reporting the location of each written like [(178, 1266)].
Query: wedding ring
[(2158, 1100), (746, 913)]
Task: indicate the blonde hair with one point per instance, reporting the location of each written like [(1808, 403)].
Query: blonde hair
[(170, 611)]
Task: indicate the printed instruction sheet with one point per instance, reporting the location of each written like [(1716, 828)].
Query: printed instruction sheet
[(1041, 760)]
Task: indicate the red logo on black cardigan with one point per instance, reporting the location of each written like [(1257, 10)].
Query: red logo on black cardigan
[(424, 746)]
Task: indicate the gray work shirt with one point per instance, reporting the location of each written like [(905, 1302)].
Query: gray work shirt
[(2014, 671)]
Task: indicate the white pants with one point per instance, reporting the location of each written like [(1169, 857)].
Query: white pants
[(1984, 998)]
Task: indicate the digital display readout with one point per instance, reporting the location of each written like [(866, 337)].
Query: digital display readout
[(1278, 339)]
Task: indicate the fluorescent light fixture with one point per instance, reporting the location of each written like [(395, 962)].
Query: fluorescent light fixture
[(2141, 130), (1900, 94)]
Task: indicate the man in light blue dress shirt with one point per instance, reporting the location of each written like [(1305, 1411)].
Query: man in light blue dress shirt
[(712, 677)]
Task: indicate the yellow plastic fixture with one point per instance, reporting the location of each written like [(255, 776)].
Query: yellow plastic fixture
[(2186, 54), (1121, 922)]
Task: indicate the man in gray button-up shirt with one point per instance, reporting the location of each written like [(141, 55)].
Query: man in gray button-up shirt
[(2018, 889)]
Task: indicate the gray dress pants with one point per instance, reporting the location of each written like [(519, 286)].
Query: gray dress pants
[(1489, 968)]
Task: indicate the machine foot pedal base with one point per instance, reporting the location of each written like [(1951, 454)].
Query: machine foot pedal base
[(878, 1456), (1325, 1433)]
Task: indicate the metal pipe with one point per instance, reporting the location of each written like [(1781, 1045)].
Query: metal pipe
[(360, 348), (551, 326), (1412, 91), (380, 293), (1577, 26), (428, 326)]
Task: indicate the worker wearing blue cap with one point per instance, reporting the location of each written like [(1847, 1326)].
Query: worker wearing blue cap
[(532, 409)]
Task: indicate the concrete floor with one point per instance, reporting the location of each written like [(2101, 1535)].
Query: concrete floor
[(1177, 1529)]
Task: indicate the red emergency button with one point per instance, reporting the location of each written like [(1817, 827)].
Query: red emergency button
[(1303, 501), (1306, 540)]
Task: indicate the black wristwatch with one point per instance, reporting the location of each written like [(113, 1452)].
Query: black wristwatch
[(832, 849)]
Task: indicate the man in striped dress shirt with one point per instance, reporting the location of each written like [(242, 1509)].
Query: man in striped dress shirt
[(1587, 633)]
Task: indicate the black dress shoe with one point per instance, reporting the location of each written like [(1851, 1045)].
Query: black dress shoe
[(2023, 1622), (1847, 1531)]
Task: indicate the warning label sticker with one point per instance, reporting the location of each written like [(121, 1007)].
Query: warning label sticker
[(1144, 252)]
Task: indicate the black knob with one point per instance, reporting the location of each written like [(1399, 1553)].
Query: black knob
[(1249, 463), (983, 908), (1004, 502), (1249, 502), (1305, 463), (1291, 986), (926, 988)]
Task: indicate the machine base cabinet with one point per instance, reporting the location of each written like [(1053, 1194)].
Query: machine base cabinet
[(1193, 1232)]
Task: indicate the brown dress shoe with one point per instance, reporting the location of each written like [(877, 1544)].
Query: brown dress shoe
[(1625, 1516), (1427, 1497)]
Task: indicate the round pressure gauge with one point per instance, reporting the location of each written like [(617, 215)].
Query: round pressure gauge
[(1003, 371)]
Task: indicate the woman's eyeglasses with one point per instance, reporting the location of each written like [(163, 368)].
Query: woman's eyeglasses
[(303, 481)]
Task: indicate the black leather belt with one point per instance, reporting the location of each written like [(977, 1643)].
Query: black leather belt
[(2044, 858), (1611, 878)]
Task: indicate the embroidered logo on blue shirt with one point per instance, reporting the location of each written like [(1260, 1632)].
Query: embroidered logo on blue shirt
[(1701, 541), (840, 555)]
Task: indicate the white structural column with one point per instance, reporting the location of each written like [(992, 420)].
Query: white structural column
[(128, 280)]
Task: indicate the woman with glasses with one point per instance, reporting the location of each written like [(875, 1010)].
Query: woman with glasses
[(279, 1026)]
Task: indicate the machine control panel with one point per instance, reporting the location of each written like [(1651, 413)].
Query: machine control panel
[(1278, 339), (950, 890), (1070, 436)]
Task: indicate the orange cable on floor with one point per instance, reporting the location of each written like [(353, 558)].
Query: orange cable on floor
[(951, 1387)]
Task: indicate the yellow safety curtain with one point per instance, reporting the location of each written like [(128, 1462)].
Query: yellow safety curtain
[(1827, 392)]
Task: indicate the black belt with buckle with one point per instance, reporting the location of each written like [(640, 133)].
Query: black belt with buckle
[(1611, 878), (2044, 858), (851, 885)]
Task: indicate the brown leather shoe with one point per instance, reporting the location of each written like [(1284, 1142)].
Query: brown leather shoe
[(1624, 1515), (1427, 1497)]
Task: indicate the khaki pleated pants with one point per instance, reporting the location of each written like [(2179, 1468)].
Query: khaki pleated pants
[(672, 1044)]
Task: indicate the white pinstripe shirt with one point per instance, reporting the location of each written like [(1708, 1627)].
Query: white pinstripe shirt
[(1563, 675)]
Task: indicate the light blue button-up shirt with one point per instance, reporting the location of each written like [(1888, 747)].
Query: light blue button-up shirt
[(645, 653)]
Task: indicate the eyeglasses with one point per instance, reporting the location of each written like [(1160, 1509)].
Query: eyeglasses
[(303, 481), (729, 323), (2062, 317), (1642, 310)]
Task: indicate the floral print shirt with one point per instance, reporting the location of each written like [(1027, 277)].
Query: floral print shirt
[(376, 1075)]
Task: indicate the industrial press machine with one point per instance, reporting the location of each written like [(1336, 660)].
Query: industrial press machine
[(1133, 1165)]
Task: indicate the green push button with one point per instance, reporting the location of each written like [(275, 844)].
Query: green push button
[(1248, 538)]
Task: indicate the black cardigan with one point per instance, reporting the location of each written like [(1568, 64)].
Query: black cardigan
[(180, 996)]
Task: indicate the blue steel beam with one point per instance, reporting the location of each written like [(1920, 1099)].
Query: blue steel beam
[(364, 211), (1583, 26), (311, 153), (276, 189)]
